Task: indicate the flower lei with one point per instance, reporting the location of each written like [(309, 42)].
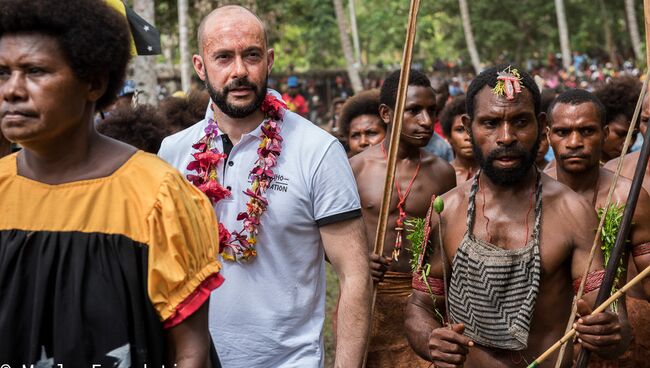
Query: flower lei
[(240, 245)]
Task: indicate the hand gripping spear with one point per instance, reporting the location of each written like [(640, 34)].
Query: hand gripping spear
[(394, 142)]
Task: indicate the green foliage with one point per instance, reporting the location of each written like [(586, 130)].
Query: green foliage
[(613, 218), (304, 33), (415, 234)]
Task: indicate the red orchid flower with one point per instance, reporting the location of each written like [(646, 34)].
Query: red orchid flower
[(224, 237), (214, 191)]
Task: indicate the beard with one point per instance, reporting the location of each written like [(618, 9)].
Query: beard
[(510, 176), (220, 98)]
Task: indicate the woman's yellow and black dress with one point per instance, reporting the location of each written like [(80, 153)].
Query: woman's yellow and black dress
[(93, 271)]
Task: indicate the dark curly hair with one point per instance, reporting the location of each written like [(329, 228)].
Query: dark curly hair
[(454, 108), (363, 103), (181, 113), (488, 77), (577, 97), (388, 93), (142, 127), (94, 38), (619, 97)]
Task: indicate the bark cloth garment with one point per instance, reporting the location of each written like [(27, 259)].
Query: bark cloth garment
[(388, 344), (493, 290), (92, 271)]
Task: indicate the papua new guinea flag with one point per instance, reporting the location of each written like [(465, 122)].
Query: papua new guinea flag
[(145, 38)]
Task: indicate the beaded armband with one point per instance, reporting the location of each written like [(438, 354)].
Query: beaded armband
[(437, 285), (594, 280), (641, 249)]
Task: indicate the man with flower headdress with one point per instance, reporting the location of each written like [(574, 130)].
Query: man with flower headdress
[(499, 288), (286, 197)]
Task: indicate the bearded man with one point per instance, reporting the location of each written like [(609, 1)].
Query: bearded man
[(513, 243), (285, 193)]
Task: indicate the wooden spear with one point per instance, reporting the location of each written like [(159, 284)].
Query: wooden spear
[(394, 143), (630, 206), (601, 307)]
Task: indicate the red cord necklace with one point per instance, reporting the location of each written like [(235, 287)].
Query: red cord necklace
[(399, 225)]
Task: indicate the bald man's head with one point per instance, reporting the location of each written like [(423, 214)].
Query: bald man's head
[(235, 14)]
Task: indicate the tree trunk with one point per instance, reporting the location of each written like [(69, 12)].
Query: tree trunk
[(355, 33), (469, 36), (144, 67), (633, 26), (609, 39), (183, 30), (353, 72), (564, 34)]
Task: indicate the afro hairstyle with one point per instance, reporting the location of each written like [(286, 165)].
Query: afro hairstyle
[(363, 103), (142, 127), (619, 97), (183, 112), (94, 37), (388, 93), (577, 97), (454, 108), (488, 77)]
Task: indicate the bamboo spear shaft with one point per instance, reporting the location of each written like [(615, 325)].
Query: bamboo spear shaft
[(394, 143), (599, 309), (630, 206)]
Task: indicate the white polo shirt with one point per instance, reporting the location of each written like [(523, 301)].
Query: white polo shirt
[(270, 312)]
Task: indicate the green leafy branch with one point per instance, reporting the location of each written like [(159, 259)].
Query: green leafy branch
[(613, 218), (415, 234)]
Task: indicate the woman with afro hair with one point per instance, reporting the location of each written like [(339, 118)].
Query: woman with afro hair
[(107, 254)]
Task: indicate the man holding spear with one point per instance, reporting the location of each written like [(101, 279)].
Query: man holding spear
[(577, 134), (419, 176), (511, 278)]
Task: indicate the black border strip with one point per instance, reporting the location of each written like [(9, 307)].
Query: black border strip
[(338, 217)]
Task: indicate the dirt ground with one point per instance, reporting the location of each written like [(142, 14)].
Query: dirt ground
[(331, 296)]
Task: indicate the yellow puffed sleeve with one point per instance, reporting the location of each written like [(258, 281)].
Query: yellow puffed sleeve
[(183, 250)]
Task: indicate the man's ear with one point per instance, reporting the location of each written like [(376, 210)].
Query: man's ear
[(467, 123), (270, 59), (385, 113), (605, 133), (97, 87), (199, 66)]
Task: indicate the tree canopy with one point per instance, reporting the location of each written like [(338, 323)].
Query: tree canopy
[(304, 32)]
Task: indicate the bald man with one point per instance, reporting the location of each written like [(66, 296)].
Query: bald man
[(270, 310)]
